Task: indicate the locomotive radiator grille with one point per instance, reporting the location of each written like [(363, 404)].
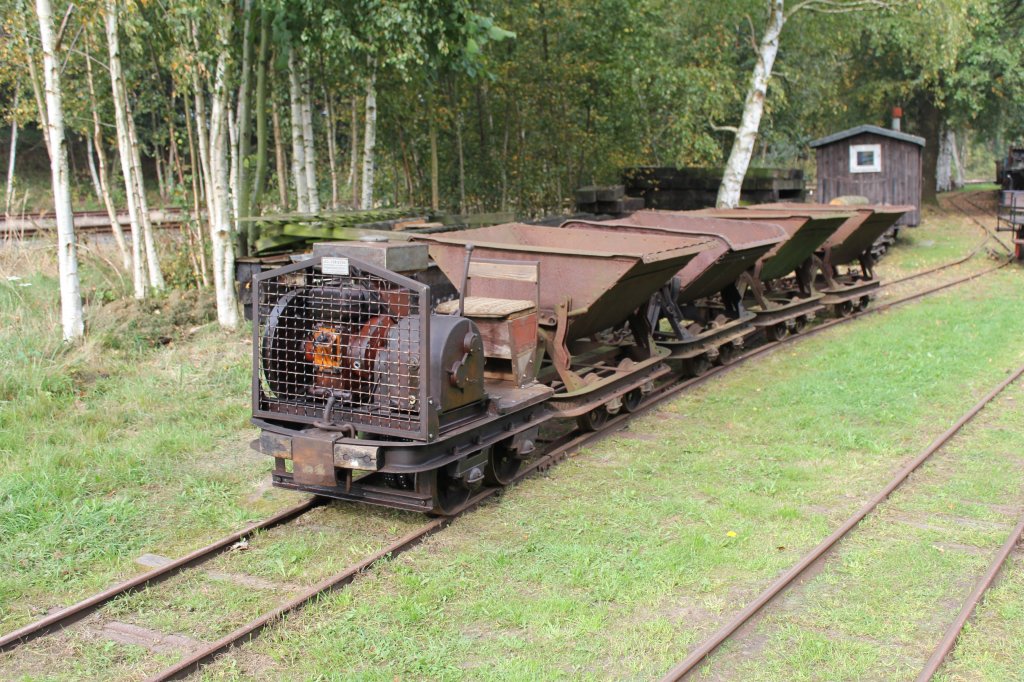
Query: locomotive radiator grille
[(340, 343)]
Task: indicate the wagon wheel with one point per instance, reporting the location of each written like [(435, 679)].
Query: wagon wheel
[(593, 420), (502, 464), (865, 301), (446, 493), (631, 401), (697, 365), (726, 353), (844, 309), (777, 332), (799, 324)]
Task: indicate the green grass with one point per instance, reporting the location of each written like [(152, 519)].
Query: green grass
[(620, 560), (897, 581), (110, 452)]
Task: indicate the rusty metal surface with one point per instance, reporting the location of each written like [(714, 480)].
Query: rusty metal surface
[(807, 232), (336, 340), (856, 236), (604, 276), (740, 245)]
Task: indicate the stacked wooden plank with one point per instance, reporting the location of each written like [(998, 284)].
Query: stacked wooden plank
[(684, 189), (606, 199)]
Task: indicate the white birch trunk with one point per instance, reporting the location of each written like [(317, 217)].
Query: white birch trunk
[(90, 156), (37, 90), (67, 257), (12, 156), (309, 144), (108, 202), (943, 166), (753, 108), (957, 179), (156, 277), (298, 144), (369, 141), (233, 166), (332, 149), (219, 206), (353, 158), (123, 146), (279, 161)]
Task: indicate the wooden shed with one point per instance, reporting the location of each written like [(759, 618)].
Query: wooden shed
[(881, 164)]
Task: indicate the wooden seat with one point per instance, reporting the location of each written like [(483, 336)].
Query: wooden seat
[(482, 306), (508, 326)]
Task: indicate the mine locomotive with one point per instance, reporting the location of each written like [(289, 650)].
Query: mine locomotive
[(407, 373)]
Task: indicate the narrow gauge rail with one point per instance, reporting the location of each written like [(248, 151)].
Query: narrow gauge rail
[(948, 642), (787, 579), (65, 617), (558, 450), (31, 225)]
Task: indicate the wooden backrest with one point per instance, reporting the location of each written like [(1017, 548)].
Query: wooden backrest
[(527, 271), (522, 271)]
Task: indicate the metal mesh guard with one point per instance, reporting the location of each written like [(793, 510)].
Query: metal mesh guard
[(340, 335)]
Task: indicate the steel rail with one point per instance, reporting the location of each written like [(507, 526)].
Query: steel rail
[(697, 656), (562, 448), (991, 233), (71, 614), (945, 646)]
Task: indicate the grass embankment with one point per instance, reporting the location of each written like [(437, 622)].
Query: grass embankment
[(114, 447), (620, 560)]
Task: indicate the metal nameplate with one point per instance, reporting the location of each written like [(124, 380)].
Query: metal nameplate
[(333, 265), (366, 457)]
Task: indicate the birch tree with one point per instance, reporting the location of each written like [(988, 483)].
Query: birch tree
[(309, 141), (12, 156), (369, 140), (218, 204), (67, 257), (298, 143), (110, 15), (753, 107), (104, 180)]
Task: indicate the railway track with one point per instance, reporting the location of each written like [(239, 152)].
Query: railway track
[(556, 451), (29, 226), (699, 655), (789, 578)]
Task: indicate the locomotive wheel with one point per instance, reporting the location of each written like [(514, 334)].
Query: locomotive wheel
[(502, 465), (593, 420), (777, 331), (726, 354), (446, 492), (697, 365), (631, 401)]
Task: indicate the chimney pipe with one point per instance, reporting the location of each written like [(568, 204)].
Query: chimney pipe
[(897, 114)]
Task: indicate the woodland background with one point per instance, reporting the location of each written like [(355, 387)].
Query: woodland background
[(241, 107)]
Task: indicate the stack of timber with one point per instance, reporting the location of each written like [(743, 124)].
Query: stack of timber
[(685, 189), (606, 200), (297, 231)]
